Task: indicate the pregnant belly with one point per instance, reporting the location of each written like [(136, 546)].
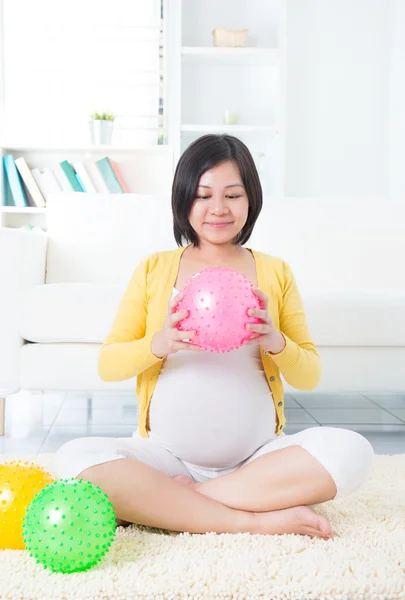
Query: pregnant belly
[(207, 428)]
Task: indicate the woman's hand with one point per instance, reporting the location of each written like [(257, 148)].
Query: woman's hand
[(269, 338), (169, 339)]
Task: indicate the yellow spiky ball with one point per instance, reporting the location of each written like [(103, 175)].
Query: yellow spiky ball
[(19, 483)]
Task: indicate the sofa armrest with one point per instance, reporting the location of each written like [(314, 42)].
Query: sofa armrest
[(22, 264)]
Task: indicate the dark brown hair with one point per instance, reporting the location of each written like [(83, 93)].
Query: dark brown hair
[(203, 154)]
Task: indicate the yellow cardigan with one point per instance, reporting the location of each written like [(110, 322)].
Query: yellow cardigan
[(126, 353)]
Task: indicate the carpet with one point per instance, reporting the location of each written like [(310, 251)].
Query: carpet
[(365, 560)]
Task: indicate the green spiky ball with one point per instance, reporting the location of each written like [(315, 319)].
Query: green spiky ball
[(69, 526)]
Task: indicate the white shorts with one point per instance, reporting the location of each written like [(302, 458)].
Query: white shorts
[(345, 454)]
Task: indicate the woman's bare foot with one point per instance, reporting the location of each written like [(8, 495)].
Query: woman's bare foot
[(302, 520)]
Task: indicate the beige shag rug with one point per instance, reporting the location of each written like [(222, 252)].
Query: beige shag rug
[(365, 560)]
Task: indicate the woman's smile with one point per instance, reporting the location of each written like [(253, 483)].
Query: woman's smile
[(218, 225)]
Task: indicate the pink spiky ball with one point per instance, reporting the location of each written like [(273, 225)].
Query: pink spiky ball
[(217, 300)]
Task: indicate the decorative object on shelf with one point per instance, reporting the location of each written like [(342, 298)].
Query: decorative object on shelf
[(101, 128), (235, 38), (230, 118), (161, 136)]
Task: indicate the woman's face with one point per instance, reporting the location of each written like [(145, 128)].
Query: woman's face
[(221, 206)]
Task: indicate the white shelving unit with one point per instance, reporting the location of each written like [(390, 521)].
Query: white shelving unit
[(147, 169), (138, 166), (227, 128), (205, 80), (249, 56), (200, 81)]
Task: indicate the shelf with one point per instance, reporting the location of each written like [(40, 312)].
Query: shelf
[(228, 51), (230, 128), (22, 209), (162, 148), (266, 56)]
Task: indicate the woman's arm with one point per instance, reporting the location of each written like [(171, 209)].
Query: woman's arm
[(126, 351), (299, 361)]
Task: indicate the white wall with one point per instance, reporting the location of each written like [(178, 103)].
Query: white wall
[(338, 97), (397, 105)]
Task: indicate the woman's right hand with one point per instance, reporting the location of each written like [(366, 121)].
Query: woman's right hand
[(169, 339)]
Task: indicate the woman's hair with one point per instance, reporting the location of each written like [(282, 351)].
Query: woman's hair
[(203, 154)]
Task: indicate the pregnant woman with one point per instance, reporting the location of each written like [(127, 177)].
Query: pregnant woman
[(210, 453)]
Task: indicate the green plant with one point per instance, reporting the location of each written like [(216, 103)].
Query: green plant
[(104, 116)]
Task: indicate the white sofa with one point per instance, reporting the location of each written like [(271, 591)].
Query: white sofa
[(60, 289)]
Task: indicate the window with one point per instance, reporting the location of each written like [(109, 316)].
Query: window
[(64, 61)]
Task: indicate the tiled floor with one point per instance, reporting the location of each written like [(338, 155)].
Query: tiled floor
[(40, 423)]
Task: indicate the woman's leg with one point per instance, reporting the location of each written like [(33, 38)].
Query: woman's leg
[(306, 468), (145, 495)]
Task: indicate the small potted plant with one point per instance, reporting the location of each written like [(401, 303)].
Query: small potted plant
[(101, 128)]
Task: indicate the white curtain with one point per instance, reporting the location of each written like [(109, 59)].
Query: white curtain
[(64, 60)]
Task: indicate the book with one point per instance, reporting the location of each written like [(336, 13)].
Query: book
[(62, 179), (14, 181), (7, 198), (71, 175), (79, 181), (46, 181), (30, 183), (85, 179), (109, 175), (119, 176), (96, 176)]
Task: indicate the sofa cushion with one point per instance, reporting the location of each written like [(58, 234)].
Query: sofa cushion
[(84, 312), (74, 367), (66, 367), (332, 245), (101, 238), (341, 245), (69, 312)]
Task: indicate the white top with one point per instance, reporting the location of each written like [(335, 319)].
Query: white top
[(212, 410)]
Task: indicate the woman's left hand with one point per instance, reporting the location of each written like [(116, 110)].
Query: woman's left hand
[(269, 338)]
